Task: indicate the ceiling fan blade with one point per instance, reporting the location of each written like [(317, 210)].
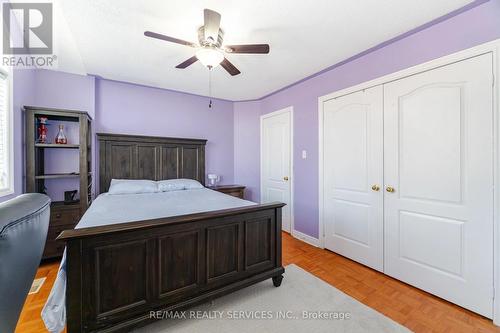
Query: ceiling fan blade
[(168, 38), (212, 24), (248, 48), (187, 63), (229, 67)]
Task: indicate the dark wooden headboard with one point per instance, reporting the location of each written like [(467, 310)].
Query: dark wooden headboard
[(148, 157)]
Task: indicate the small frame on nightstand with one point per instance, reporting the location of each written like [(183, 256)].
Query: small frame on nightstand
[(234, 190)]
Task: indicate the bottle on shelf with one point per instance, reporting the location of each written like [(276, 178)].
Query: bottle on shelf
[(42, 130), (61, 137)]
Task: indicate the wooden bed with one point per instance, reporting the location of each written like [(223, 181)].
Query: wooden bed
[(117, 274)]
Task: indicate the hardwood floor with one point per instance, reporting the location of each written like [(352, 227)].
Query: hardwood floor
[(409, 306), (413, 308), (30, 320)]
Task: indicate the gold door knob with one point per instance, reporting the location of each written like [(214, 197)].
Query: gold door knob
[(376, 188), (285, 178), (390, 189)]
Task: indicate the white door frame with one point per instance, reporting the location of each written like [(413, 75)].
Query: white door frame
[(288, 109), (490, 47)]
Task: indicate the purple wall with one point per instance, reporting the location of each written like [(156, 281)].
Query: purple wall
[(65, 91), (247, 148), (475, 26), (133, 109)]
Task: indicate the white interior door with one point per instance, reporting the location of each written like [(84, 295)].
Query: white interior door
[(276, 161), (438, 165), (353, 176)]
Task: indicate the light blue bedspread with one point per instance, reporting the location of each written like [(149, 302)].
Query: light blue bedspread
[(113, 209)]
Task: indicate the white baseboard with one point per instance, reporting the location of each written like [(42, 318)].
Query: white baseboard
[(305, 238)]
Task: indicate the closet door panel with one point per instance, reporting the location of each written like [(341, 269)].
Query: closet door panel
[(438, 144), (352, 153)]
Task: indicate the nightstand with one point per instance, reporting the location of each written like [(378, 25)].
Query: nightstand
[(62, 217), (234, 190)]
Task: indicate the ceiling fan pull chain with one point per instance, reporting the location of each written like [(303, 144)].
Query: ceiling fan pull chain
[(210, 86)]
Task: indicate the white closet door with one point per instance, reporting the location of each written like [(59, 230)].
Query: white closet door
[(353, 162), (438, 158)]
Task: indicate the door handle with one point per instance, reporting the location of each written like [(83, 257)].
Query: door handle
[(390, 189), (376, 188), (285, 178)]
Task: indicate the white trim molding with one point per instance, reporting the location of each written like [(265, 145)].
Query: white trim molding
[(288, 109), (492, 47), (305, 238)]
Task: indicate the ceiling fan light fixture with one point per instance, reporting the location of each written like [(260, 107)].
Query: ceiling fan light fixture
[(211, 50), (209, 57)]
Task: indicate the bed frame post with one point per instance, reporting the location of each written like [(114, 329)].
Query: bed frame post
[(277, 279)]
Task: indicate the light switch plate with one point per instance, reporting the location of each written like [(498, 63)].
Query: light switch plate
[(304, 154)]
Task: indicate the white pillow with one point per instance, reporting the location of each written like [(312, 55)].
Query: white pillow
[(178, 184), (170, 185), (191, 184), (132, 186)]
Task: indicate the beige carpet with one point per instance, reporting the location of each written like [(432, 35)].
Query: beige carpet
[(258, 308)]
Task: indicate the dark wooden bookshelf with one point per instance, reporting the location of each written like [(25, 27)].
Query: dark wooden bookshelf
[(56, 145), (63, 216), (58, 175)]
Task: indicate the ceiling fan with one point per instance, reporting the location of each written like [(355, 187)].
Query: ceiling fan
[(210, 50)]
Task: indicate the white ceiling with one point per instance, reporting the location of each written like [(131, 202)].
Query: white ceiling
[(105, 38)]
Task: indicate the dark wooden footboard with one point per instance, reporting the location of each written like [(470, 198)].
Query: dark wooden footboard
[(118, 274)]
